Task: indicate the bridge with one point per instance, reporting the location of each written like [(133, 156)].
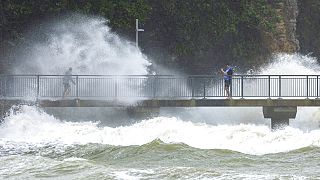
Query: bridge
[(279, 95)]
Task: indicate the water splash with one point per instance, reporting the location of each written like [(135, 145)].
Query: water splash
[(290, 64), (308, 118), (86, 44), (31, 125), (296, 64)]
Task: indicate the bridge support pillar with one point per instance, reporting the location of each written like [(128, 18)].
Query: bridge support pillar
[(279, 115), (142, 112)]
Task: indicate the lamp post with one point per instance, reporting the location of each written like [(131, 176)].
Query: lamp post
[(137, 32)]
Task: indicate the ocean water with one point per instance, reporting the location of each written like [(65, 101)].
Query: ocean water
[(35, 145)]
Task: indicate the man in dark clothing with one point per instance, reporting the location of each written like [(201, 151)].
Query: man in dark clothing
[(66, 82), (227, 76)]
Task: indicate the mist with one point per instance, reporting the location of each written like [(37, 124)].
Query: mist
[(86, 44)]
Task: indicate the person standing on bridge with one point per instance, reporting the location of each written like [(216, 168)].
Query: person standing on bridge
[(227, 76), (67, 78)]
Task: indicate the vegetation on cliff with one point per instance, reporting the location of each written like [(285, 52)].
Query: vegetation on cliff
[(308, 27), (191, 34)]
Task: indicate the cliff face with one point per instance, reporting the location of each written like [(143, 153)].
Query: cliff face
[(284, 39), (308, 27)]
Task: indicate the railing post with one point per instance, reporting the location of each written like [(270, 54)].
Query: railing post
[(307, 87), (154, 86), (204, 89), (317, 87), (5, 86), (269, 87), (279, 86), (77, 86), (116, 88), (38, 86), (242, 87), (230, 92), (192, 88)]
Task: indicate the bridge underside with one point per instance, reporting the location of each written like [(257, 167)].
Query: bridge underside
[(279, 110), (183, 103)]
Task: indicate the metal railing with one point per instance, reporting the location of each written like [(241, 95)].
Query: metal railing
[(159, 86)]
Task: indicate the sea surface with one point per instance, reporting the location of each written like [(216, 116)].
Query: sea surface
[(35, 145)]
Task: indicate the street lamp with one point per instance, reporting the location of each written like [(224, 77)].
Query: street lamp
[(137, 32)]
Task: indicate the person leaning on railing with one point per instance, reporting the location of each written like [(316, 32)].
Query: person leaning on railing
[(227, 76), (66, 82)]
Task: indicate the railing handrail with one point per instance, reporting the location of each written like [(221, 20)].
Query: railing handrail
[(185, 76), (194, 86)]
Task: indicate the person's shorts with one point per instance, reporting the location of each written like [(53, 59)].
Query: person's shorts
[(227, 82), (66, 86)]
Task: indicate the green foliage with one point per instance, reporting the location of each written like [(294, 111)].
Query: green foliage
[(193, 28), (191, 31), (308, 27), (121, 13)]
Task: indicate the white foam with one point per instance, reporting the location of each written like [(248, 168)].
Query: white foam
[(35, 127), (74, 159), (290, 64)]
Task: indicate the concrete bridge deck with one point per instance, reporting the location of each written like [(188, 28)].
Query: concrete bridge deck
[(183, 103), (279, 110), (157, 103)]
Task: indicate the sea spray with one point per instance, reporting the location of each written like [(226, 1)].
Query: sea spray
[(33, 126), (308, 118), (290, 64), (87, 45), (296, 64), (84, 43)]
